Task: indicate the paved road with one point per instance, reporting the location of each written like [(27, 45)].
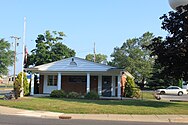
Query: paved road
[(18, 120), (175, 97), (2, 92), (172, 97)]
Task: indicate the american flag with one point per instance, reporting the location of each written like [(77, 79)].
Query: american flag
[(25, 56)]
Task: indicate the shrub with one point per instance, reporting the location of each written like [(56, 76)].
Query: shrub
[(73, 95), (92, 95), (17, 85), (58, 94), (136, 93), (180, 83), (131, 90)]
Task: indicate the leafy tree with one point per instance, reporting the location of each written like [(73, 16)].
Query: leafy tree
[(135, 58), (17, 85), (100, 58), (159, 80), (49, 48), (172, 53), (6, 57)]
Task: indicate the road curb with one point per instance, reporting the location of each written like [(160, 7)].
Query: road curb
[(179, 120), (138, 118), (110, 117)]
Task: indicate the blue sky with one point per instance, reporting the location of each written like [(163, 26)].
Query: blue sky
[(108, 23)]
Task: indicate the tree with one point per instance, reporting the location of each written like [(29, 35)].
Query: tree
[(160, 80), (172, 53), (17, 85), (49, 48), (135, 58), (100, 58), (6, 57)]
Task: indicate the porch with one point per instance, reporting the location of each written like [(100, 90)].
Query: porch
[(105, 85)]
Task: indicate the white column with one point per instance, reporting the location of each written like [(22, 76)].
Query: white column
[(100, 85), (88, 83), (45, 84), (113, 86), (119, 87), (32, 84), (59, 81)]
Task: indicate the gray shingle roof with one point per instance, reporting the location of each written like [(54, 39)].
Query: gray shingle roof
[(73, 64)]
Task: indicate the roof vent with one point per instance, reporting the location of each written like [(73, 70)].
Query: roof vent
[(73, 63)]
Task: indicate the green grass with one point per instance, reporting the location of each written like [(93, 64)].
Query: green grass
[(147, 95), (99, 106), (6, 85), (6, 88)]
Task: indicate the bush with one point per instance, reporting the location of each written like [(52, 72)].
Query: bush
[(136, 93), (17, 85), (58, 94), (92, 95), (131, 90), (180, 83), (73, 95)]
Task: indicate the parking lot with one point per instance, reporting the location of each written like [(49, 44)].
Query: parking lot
[(175, 97)]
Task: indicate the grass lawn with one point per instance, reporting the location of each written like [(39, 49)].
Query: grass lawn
[(99, 106), (6, 86), (147, 95)]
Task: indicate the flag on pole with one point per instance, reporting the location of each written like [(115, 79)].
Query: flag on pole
[(25, 55)]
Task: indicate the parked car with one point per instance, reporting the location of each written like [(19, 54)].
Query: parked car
[(172, 90)]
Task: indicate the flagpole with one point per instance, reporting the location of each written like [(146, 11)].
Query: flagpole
[(23, 55)]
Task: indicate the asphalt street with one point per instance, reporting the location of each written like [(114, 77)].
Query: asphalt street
[(21, 120), (2, 92), (175, 97)]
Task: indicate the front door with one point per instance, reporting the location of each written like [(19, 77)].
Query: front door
[(41, 84), (36, 84), (106, 86)]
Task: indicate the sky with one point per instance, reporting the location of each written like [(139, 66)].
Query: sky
[(108, 23)]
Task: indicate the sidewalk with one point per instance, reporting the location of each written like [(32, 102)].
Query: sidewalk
[(113, 117)]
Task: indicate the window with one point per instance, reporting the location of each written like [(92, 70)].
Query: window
[(52, 80), (175, 88)]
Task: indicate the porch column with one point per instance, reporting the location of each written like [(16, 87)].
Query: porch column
[(59, 81), (100, 85), (119, 87), (32, 84), (113, 86), (88, 83)]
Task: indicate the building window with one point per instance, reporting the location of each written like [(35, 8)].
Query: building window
[(52, 80)]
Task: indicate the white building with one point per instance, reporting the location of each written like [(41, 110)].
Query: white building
[(78, 75)]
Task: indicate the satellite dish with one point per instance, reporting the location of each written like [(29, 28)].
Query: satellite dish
[(176, 3)]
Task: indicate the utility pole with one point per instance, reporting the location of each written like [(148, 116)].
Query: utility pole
[(16, 43), (94, 59)]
